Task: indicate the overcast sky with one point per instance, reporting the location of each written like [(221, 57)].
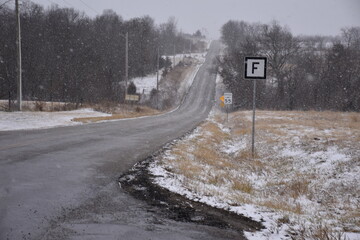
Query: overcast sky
[(309, 17)]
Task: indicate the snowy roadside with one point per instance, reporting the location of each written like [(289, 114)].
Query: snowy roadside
[(40, 120), (297, 189), (303, 183)]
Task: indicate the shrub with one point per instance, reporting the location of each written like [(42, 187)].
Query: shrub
[(131, 88)]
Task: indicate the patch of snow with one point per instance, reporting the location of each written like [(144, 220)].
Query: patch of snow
[(234, 147), (186, 84), (291, 152), (219, 79), (146, 84), (149, 82), (38, 120)]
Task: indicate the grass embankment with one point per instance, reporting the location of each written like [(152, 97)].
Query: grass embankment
[(306, 169), (117, 111)]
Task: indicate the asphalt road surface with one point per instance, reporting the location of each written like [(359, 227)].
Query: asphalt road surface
[(61, 183)]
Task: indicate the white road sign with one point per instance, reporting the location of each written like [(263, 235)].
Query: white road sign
[(129, 97), (255, 67), (228, 98)]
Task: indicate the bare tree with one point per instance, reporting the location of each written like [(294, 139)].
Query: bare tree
[(279, 46)]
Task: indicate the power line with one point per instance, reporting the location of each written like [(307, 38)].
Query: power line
[(89, 7), (67, 3), (52, 2)]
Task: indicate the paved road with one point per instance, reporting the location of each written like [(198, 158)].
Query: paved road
[(61, 183)]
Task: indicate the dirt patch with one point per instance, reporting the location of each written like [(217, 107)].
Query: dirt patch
[(139, 183)]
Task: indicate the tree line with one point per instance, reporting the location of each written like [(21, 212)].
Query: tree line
[(304, 72), (69, 57)]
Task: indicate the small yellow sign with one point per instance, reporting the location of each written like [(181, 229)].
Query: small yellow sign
[(222, 103)]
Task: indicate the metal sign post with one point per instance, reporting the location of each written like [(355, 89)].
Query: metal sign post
[(253, 122), (227, 102), (255, 68)]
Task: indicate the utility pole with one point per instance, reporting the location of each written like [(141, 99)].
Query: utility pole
[(126, 62), (157, 70), (174, 54), (157, 78), (184, 51), (190, 47), (18, 47)]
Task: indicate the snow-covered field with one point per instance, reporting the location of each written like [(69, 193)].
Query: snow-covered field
[(147, 83), (302, 184), (36, 120)]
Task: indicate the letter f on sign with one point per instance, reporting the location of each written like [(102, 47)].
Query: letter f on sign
[(254, 67)]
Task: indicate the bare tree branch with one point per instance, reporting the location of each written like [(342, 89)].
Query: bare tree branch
[(3, 4)]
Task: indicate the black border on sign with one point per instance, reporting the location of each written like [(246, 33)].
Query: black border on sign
[(245, 72)]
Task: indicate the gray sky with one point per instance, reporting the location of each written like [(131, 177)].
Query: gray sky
[(309, 17)]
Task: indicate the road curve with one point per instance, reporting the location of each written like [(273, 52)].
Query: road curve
[(60, 183)]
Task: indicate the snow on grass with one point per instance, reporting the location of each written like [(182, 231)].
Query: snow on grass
[(36, 120), (180, 57), (302, 184), (149, 82), (146, 84), (219, 79), (189, 79)]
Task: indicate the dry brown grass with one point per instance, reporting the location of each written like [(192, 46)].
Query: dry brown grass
[(318, 231), (219, 118), (209, 156), (240, 126), (282, 205), (297, 188), (237, 198), (184, 163), (354, 121), (242, 185), (352, 217), (193, 155), (177, 74), (217, 135), (217, 179), (246, 156), (328, 119), (291, 189), (288, 184), (42, 106), (345, 127), (188, 168), (241, 131)]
